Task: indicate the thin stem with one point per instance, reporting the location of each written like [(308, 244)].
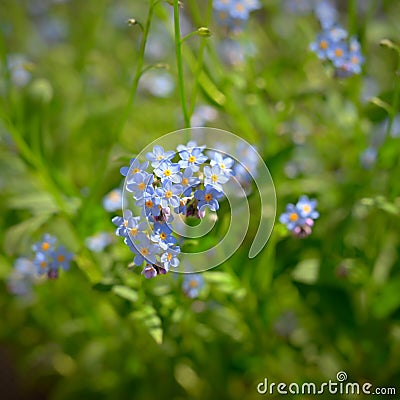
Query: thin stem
[(200, 59), (178, 52), (138, 73), (125, 115)]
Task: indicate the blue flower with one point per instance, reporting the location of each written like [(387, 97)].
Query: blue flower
[(170, 258), (193, 159), (149, 271), (192, 285), (150, 203), (338, 54), (98, 242), (203, 114), (42, 263), (225, 164), (144, 250), (22, 277), (326, 13), (135, 166), (112, 201), (208, 198), (168, 171), (158, 155), (122, 222), (322, 45), (299, 218), (298, 6), (46, 246), (368, 157), (138, 184), (61, 259), (191, 145), (169, 194), (214, 176), (163, 237), (189, 181), (337, 33), (291, 217), (307, 207)]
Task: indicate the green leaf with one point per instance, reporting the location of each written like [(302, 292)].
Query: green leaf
[(148, 316), (125, 292), (307, 271), (19, 237)]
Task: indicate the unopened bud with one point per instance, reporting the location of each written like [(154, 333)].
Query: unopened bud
[(204, 32), (132, 21)]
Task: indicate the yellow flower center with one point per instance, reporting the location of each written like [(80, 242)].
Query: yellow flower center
[(60, 258), (323, 44), (355, 60), (208, 197), (192, 159), (125, 222), (133, 231), (293, 217), (45, 246), (222, 166), (114, 196), (239, 7), (43, 264), (159, 157), (222, 15), (193, 284), (338, 52), (168, 194), (142, 186), (144, 251), (307, 208), (149, 204), (185, 181), (167, 172), (214, 178), (169, 257), (135, 171), (163, 236)]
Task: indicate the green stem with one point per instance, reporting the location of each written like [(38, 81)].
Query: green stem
[(125, 115), (352, 17), (178, 52), (200, 62), (31, 158), (138, 73)]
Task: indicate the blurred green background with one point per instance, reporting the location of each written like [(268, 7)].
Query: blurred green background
[(302, 310)]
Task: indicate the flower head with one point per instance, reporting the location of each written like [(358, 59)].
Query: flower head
[(158, 155), (135, 166), (139, 183), (168, 171), (46, 246), (192, 285), (192, 159), (208, 198), (112, 201), (214, 176), (170, 258)]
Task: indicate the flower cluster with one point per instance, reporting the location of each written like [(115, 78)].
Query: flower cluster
[(185, 182), (233, 14), (299, 218), (333, 43), (50, 257)]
